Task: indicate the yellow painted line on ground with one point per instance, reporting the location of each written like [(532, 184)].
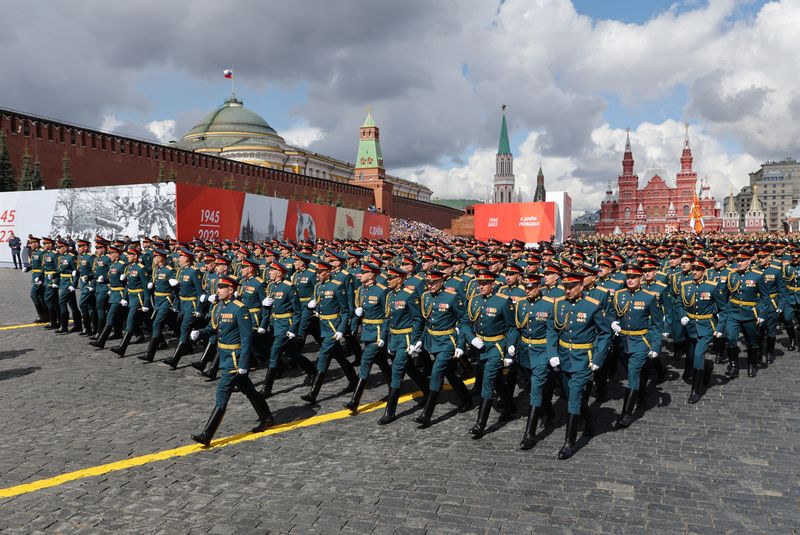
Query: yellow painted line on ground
[(22, 326), (182, 451)]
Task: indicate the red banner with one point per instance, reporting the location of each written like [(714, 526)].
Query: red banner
[(376, 226), (208, 213), (307, 221), (529, 222)]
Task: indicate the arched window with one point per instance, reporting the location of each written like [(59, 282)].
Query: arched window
[(627, 213), (685, 209)]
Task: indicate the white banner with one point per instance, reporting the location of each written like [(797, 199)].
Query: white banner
[(24, 213)]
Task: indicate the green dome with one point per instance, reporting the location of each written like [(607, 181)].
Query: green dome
[(230, 124)]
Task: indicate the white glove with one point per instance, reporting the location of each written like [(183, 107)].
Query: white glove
[(145, 309), (555, 362), (101, 279), (54, 285), (380, 342), (212, 298), (261, 330), (717, 334), (759, 321), (37, 280), (337, 336), (123, 302), (194, 335), (267, 302), (410, 349), (173, 282), (507, 362), (202, 298), (459, 353), (778, 310), (242, 371), (312, 304), (74, 272), (594, 367), (123, 277), (512, 350), (84, 278), (290, 335), (91, 289), (71, 288), (418, 346), (39, 283), (615, 327), (684, 320), (196, 314), (652, 354), (359, 311), (149, 285), (477, 343)]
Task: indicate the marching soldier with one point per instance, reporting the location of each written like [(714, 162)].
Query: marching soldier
[(304, 279), (491, 319), (578, 335), (638, 324), (772, 271), (233, 327), (404, 325), (50, 267), (370, 311), (529, 346), (116, 294), (283, 310), (86, 303), (137, 295), (221, 267), (442, 313), (163, 298), (701, 308), (746, 309), (188, 281), (99, 277), (37, 281), (67, 283), (791, 274), (331, 305)]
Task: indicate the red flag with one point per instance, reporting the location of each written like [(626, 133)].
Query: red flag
[(227, 73)]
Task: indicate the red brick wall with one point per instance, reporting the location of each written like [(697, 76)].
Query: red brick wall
[(435, 215)]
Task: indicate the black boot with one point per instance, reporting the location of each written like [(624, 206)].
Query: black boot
[(476, 386), (391, 407), (697, 386), (626, 416), (211, 372), (173, 361), (424, 419), (100, 343), (208, 355), (126, 340), (41, 314), (479, 429), (87, 326), (752, 361), (461, 391), (733, 363), (64, 329), (151, 351), (265, 420), (77, 324), (568, 450), (792, 337), (352, 405), (770, 356), (529, 438), (212, 425), (117, 334), (266, 390), (311, 397)]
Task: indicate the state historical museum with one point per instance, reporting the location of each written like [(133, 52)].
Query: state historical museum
[(659, 207)]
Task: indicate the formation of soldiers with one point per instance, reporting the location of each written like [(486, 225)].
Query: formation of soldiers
[(554, 321)]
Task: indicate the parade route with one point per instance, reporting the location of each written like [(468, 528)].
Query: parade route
[(93, 443)]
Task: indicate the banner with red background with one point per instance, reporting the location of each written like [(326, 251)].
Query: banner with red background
[(529, 222), (308, 221), (376, 226), (208, 213)]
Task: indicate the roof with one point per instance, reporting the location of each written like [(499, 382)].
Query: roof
[(504, 146)]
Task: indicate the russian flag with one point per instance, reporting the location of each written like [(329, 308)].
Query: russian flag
[(228, 73)]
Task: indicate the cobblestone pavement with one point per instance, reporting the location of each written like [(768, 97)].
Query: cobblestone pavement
[(726, 465)]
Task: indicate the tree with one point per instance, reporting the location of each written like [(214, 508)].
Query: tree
[(7, 180), (260, 187), (38, 180), (26, 176), (66, 174), (162, 177), (173, 176)]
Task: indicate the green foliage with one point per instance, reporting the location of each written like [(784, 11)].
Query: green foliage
[(7, 180), (66, 174), (26, 176)]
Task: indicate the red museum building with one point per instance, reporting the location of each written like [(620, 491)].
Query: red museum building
[(658, 207)]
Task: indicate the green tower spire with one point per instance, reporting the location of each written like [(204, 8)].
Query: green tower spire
[(505, 146), (369, 158)]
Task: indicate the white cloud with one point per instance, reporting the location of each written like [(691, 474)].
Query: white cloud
[(163, 130), (110, 123), (303, 135)]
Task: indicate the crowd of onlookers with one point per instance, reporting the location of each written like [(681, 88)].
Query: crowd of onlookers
[(403, 229)]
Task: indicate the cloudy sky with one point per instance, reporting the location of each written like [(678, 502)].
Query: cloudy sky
[(574, 75)]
